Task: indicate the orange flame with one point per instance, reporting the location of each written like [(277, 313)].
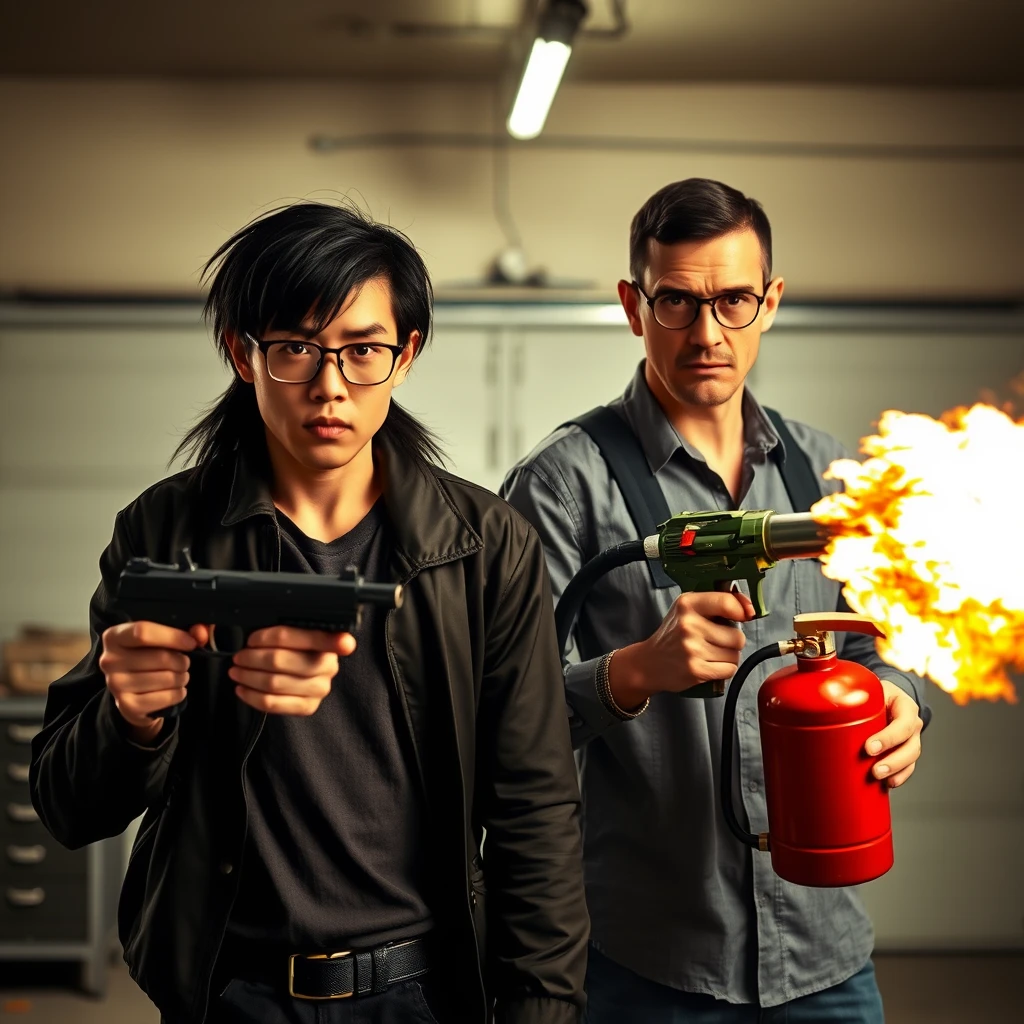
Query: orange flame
[(930, 541)]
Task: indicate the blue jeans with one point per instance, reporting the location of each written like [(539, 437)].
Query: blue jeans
[(615, 995)]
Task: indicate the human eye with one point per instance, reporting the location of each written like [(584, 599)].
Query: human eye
[(293, 348), (364, 351)]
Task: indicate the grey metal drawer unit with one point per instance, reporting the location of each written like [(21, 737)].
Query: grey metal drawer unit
[(55, 903)]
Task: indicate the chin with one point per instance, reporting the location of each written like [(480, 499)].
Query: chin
[(322, 458), (707, 394)]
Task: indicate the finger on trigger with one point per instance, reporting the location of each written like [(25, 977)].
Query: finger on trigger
[(201, 633), (143, 633)]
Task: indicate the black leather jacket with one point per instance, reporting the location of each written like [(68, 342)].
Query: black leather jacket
[(473, 655)]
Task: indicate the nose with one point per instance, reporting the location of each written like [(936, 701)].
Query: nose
[(329, 385), (705, 331)]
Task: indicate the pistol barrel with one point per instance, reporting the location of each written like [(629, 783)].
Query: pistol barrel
[(383, 595), (794, 535)]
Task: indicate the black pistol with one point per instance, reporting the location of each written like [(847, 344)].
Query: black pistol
[(238, 603)]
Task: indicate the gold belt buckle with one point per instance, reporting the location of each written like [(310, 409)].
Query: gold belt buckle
[(315, 956)]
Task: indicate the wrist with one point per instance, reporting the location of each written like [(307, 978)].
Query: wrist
[(144, 735), (624, 704), (626, 680)]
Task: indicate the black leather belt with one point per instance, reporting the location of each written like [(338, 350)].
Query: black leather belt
[(338, 975)]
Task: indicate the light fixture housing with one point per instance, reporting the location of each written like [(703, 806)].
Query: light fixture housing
[(550, 53)]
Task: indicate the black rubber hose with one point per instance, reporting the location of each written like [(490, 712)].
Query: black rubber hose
[(579, 586), (728, 731)]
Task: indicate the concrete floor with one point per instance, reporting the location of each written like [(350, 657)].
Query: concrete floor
[(983, 989)]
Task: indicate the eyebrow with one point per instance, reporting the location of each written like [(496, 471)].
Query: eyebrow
[(669, 290), (370, 331)]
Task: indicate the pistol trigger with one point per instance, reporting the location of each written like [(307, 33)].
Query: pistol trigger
[(227, 640)]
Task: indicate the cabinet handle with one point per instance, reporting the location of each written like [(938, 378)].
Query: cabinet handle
[(22, 812), (26, 897), (26, 854), (18, 733), (17, 772)]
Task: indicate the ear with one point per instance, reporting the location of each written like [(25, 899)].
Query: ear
[(404, 362), (772, 298), (239, 350), (630, 299)]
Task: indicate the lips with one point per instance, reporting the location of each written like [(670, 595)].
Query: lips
[(326, 429), (325, 421)]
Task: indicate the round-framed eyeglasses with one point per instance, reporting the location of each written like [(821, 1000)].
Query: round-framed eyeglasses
[(679, 310), (297, 361)]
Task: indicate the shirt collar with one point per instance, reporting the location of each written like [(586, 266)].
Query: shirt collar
[(659, 438)]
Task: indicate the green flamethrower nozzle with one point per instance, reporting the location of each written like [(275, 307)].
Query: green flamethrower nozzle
[(709, 550)]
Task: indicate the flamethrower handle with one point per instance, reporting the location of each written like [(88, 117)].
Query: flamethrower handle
[(728, 732), (713, 687)]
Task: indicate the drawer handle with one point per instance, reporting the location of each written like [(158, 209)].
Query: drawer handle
[(17, 772), (22, 812), (22, 733), (26, 854), (26, 897)]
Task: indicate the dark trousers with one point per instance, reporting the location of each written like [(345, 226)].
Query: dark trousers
[(615, 995), (246, 1002)]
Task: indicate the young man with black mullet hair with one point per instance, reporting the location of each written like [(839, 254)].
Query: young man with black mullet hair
[(310, 849)]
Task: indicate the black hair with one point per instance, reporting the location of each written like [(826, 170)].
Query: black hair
[(296, 266), (694, 210)]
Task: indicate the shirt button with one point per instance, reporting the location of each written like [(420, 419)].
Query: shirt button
[(226, 867), (752, 786)]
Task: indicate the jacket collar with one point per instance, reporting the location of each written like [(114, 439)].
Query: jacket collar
[(429, 529)]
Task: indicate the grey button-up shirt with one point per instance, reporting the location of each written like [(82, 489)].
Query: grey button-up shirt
[(672, 894)]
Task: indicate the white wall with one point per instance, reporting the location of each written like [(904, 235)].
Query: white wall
[(130, 185)]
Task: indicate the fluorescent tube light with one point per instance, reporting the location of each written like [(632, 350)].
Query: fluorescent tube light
[(544, 68)]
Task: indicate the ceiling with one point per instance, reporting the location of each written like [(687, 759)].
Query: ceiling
[(930, 43)]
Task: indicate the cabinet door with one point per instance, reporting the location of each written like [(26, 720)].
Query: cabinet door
[(556, 373), (455, 389)]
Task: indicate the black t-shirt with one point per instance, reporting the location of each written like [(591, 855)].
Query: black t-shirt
[(335, 851)]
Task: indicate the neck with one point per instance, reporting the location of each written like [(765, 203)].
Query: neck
[(716, 431), (324, 504)]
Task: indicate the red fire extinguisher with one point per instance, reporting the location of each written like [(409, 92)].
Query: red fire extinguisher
[(828, 817)]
